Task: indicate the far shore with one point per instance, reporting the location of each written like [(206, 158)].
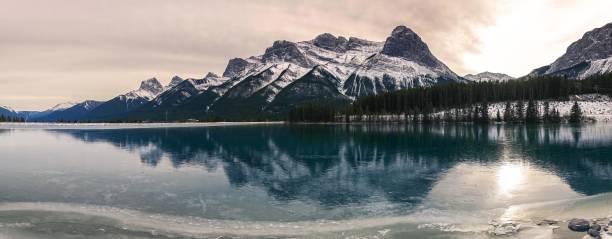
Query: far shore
[(44, 125)]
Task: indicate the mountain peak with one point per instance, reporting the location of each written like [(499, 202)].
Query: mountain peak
[(488, 77), (331, 42), (594, 45), (406, 44), (175, 81), (62, 106), (211, 75), (287, 51), (402, 30), (234, 67), (151, 85)]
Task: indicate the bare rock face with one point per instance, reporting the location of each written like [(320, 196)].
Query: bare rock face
[(234, 67), (152, 85), (286, 51), (405, 43), (175, 81), (594, 45), (330, 42)]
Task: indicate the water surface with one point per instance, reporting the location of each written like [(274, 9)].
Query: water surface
[(306, 181)]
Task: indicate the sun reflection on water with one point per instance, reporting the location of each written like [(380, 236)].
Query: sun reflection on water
[(510, 177)]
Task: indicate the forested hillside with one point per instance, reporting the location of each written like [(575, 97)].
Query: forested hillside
[(466, 100)]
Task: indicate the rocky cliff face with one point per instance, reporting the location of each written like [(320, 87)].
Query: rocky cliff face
[(594, 45), (590, 55), (406, 44)]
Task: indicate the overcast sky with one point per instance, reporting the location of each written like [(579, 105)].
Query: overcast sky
[(72, 50)]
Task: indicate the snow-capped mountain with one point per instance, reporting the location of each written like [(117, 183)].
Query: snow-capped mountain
[(488, 77), (590, 55), (73, 113), (354, 67), (7, 111), (185, 90), (148, 90), (327, 69)]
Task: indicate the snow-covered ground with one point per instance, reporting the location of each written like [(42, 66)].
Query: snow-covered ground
[(596, 106)]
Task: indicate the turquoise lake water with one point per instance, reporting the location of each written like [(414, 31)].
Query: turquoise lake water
[(299, 181)]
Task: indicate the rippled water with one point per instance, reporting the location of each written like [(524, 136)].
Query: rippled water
[(308, 181)]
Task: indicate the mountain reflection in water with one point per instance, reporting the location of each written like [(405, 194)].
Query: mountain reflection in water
[(348, 164)]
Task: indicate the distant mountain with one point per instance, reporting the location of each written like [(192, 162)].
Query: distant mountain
[(326, 69), (488, 77), (73, 113), (59, 107), (8, 112), (149, 89), (590, 55)]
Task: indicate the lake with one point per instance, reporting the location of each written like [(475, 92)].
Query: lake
[(299, 181)]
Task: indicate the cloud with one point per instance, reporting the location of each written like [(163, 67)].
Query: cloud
[(68, 45)]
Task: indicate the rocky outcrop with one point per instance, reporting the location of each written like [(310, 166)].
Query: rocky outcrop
[(286, 51), (330, 42), (235, 67), (405, 43)]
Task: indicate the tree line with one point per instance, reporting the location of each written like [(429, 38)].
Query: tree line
[(4, 118), (466, 102)]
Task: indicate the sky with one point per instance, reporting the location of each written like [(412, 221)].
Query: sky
[(72, 50)]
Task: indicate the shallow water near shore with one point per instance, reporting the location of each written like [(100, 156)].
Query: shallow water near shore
[(300, 181)]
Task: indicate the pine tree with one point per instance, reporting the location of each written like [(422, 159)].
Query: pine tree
[(575, 113), (555, 116), (532, 114), (484, 112), (519, 110), (546, 116), (498, 118), (508, 112)]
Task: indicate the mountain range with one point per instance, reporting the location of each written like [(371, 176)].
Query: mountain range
[(328, 69)]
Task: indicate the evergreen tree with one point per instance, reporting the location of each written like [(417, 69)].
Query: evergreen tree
[(532, 114), (508, 113), (575, 113), (546, 116), (555, 116), (448, 117), (519, 110), (498, 118), (484, 112)]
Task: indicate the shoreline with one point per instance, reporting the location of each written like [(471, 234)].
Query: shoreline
[(43, 125)]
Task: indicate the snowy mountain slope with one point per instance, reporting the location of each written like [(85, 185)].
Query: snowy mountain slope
[(7, 111), (319, 85), (174, 82), (185, 91), (597, 67), (73, 113), (148, 90), (249, 86), (33, 115), (488, 77), (585, 57), (361, 67), (382, 73)]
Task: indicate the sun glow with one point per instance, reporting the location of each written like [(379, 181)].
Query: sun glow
[(509, 178)]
